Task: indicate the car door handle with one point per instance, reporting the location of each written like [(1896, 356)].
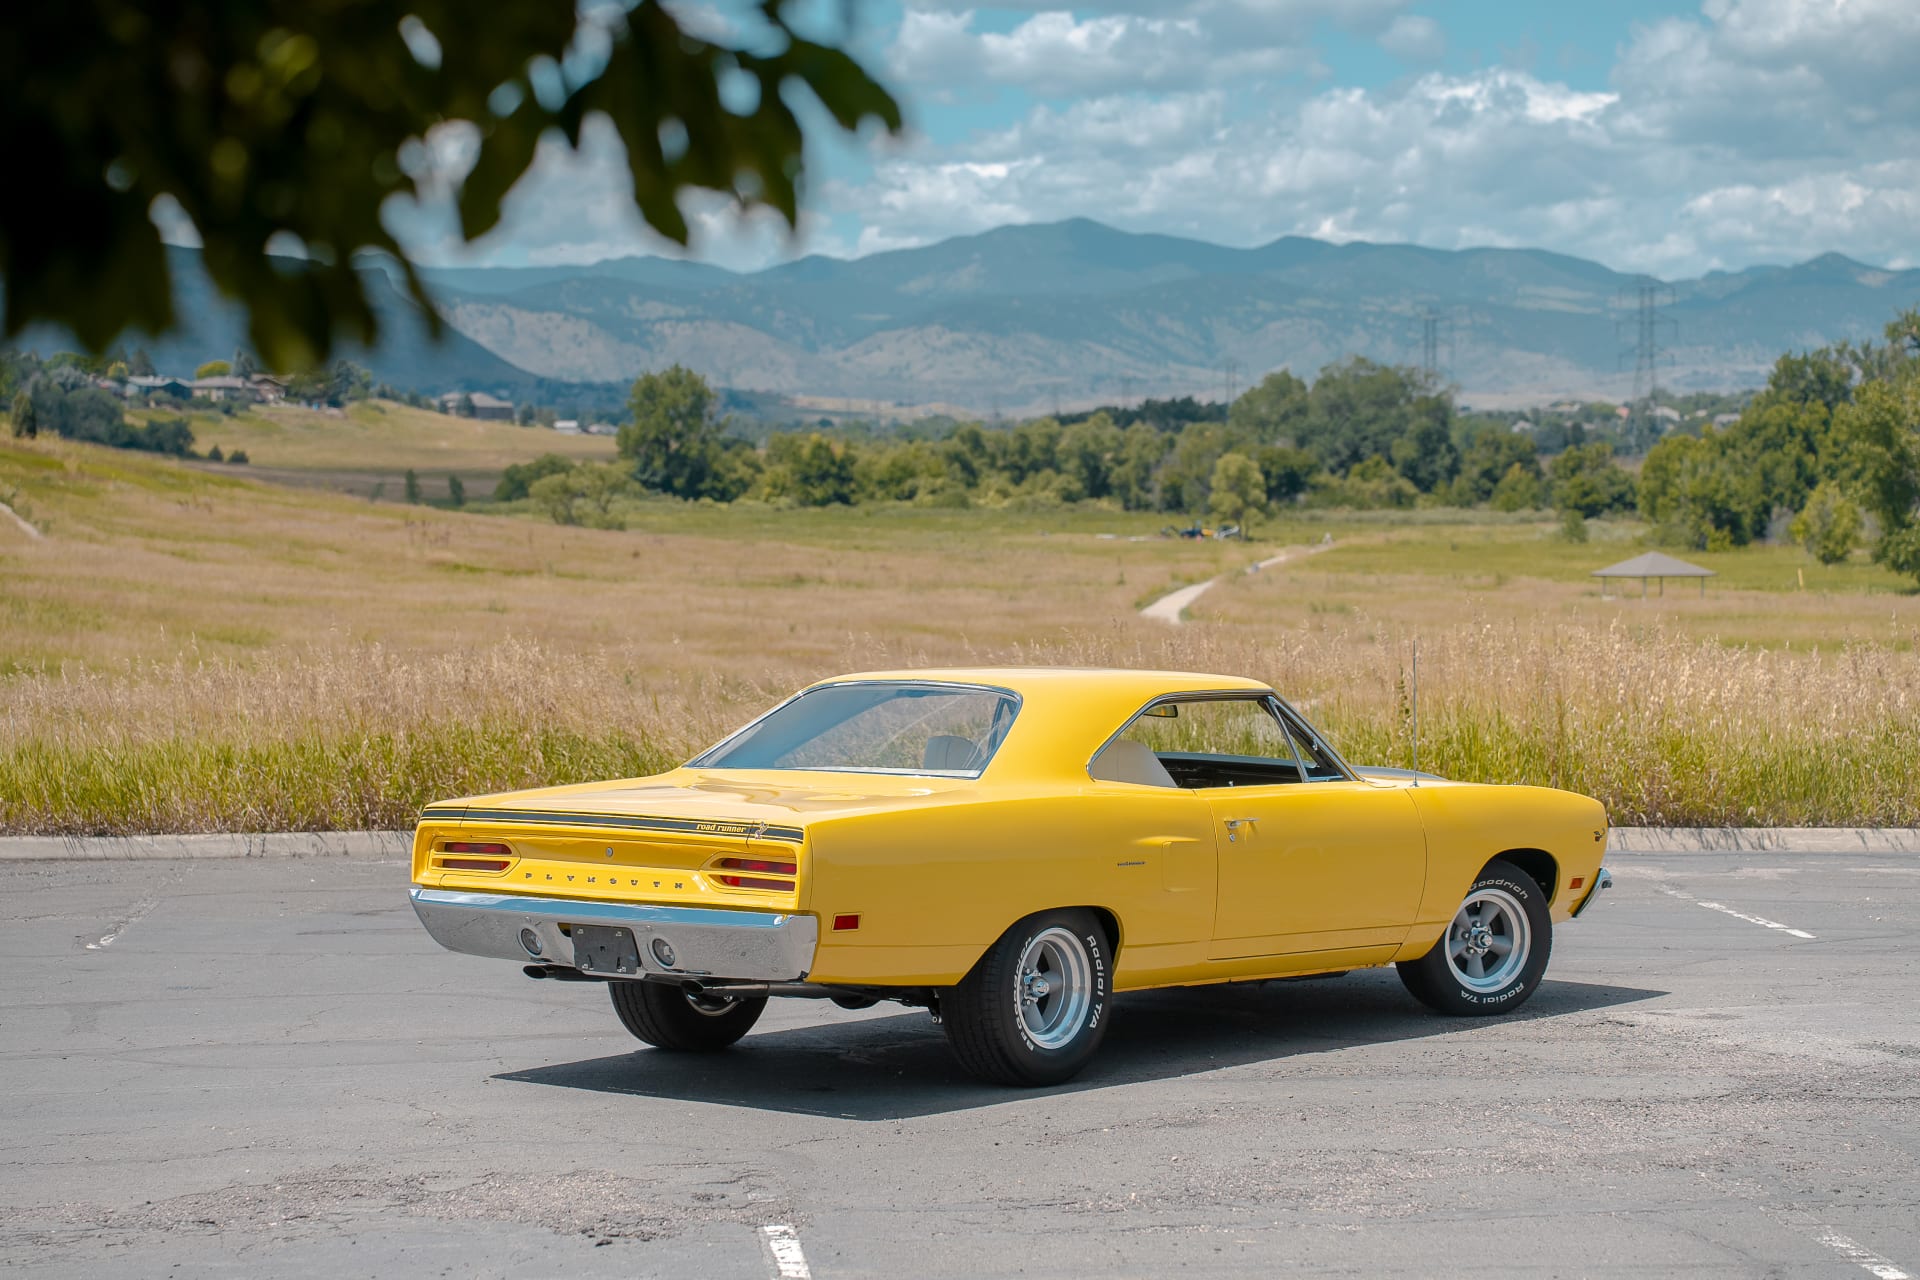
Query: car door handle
[(1234, 825)]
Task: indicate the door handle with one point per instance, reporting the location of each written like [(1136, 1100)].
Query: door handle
[(1234, 825)]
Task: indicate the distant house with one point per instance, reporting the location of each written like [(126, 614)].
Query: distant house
[(1664, 413), (226, 387), (1521, 425), (602, 429), (567, 426), (1725, 419), (154, 384), (268, 390), (491, 408)]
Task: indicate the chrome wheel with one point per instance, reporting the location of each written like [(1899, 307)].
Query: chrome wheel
[(1053, 987), (1489, 940)]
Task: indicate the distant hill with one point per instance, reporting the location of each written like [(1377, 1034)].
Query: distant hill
[(406, 356), (1073, 312)]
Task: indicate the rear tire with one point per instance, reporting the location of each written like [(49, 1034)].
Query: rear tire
[(1034, 1009), (1494, 951), (669, 1017)]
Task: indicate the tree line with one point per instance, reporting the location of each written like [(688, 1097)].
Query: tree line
[(1360, 435), (1828, 455)]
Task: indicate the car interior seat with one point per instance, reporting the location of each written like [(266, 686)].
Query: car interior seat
[(948, 751), (1124, 760)]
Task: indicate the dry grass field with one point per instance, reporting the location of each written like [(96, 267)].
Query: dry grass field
[(190, 649), (372, 444)]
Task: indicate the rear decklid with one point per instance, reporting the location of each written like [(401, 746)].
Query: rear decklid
[(648, 844)]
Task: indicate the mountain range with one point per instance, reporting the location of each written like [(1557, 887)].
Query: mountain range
[(1070, 313), (1027, 318)]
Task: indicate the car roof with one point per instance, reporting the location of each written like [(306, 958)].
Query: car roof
[(1066, 713), (1122, 682)]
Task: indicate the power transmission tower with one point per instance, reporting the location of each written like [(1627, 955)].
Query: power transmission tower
[(1651, 331), (1436, 329)]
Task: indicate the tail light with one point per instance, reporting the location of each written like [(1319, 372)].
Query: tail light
[(498, 856), (761, 865)]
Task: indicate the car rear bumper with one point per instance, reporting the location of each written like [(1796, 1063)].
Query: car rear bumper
[(754, 946), (1602, 881)]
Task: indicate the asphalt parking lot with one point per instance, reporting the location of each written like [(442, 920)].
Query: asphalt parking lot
[(267, 1068)]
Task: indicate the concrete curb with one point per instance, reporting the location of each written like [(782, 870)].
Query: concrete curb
[(271, 844), (399, 844), (1764, 840)]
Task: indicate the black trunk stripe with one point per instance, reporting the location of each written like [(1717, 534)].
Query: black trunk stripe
[(614, 821)]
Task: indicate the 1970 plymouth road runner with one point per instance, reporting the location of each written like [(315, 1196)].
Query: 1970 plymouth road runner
[(1009, 848)]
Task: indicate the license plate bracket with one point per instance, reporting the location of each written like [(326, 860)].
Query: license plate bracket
[(599, 948)]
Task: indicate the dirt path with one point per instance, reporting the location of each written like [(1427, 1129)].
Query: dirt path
[(20, 520), (1169, 608)]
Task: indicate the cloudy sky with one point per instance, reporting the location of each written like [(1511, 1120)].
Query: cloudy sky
[(1671, 137)]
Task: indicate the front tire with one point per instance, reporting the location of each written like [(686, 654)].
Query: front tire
[(670, 1017), (1035, 1008), (1494, 951)]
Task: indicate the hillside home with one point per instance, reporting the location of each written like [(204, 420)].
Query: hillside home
[(155, 384), (488, 407), (226, 387), (567, 426)]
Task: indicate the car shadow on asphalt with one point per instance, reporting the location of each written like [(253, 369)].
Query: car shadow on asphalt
[(897, 1066)]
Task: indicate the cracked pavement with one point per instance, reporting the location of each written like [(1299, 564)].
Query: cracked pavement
[(272, 1070)]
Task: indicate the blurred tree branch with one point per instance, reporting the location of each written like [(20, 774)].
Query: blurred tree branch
[(260, 118)]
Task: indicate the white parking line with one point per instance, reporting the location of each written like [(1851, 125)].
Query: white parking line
[(1724, 909), (783, 1246), (1861, 1256)]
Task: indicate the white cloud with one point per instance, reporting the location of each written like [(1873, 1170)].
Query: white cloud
[(1753, 130), (1055, 54), (1414, 37), (1763, 130)]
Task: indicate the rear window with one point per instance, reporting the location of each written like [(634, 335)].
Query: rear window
[(949, 730)]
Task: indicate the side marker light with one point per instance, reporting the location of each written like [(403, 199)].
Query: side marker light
[(846, 924)]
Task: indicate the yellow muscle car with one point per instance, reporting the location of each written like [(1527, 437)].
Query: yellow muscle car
[(1009, 849)]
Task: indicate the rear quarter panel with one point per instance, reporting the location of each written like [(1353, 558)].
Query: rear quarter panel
[(935, 886), (1468, 824)]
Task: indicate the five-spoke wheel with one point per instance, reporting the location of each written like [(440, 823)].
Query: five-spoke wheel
[(1492, 955), (1035, 1008)]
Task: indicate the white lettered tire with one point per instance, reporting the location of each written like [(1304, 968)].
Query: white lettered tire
[(1034, 1009), (1494, 952)]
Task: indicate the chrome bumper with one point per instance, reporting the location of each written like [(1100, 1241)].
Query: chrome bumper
[(1602, 881), (757, 946)]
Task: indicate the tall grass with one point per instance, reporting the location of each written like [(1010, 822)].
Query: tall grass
[(1666, 729)]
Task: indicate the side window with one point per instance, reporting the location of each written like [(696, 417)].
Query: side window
[(1202, 742)]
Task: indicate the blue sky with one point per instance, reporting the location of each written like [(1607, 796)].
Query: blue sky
[(1673, 138)]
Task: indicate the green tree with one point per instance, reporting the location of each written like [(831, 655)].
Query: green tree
[(1829, 526), (413, 487), (811, 470), (519, 477), (584, 495), (673, 439), (1587, 479), (26, 423), (456, 491), (523, 416), (1883, 426), (213, 369), (1273, 410), (256, 120), (1131, 479), (140, 364), (244, 365), (1518, 490), (463, 407), (1087, 454), (1289, 472), (1573, 525), (1237, 491)]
